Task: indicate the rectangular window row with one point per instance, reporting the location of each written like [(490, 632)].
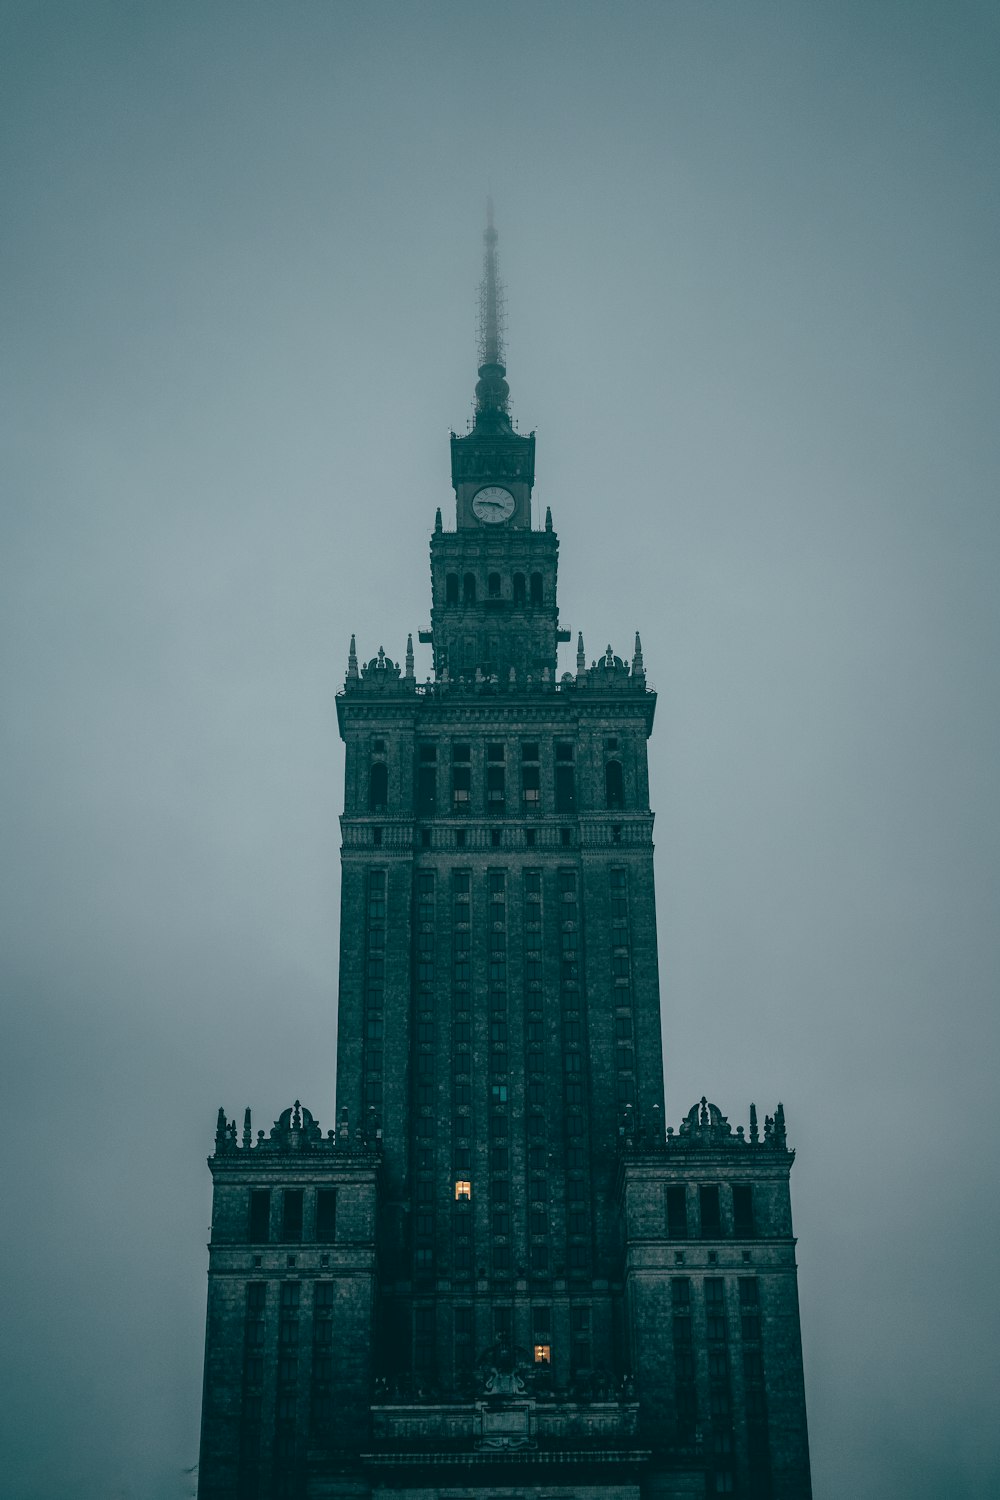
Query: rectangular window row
[(289, 1227), (708, 1223)]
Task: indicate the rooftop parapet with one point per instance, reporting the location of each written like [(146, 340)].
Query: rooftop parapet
[(608, 674), (704, 1127), (296, 1131)]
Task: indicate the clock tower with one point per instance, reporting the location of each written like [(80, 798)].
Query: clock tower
[(493, 579)]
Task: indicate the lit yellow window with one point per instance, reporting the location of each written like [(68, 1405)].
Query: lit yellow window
[(543, 1354), (463, 1189)]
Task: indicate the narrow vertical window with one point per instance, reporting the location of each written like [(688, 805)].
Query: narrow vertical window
[(495, 779), (493, 586), (378, 787), (326, 1214), (451, 589), (427, 781), (291, 1217), (743, 1223), (677, 1223), (565, 782), (614, 789), (536, 588), (461, 776), (711, 1219), (518, 588), (260, 1216), (469, 588)]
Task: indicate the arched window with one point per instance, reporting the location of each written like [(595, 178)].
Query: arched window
[(614, 790), (536, 588), (378, 787), (469, 588), (493, 585), (451, 589), (518, 588)]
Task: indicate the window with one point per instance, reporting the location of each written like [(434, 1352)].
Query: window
[(499, 1093), (451, 589), (463, 1322), (711, 1221), (291, 1218), (614, 789), (543, 1354), (376, 895), (463, 1190), (536, 588), (260, 1216), (748, 1291), (378, 787), (531, 787), (469, 588), (539, 1257), (715, 1309), (743, 1223), (426, 784), (680, 1289), (518, 588), (493, 585), (461, 762), (539, 1225), (677, 1224), (495, 787), (326, 1213)]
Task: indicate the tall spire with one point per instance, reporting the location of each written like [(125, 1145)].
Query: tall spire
[(492, 390)]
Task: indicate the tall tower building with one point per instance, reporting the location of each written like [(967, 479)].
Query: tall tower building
[(501, 1272)]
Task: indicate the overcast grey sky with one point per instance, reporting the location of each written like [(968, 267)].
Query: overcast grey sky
[(751, 252)]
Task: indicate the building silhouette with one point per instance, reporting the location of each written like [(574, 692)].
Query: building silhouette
[(500, 1272)]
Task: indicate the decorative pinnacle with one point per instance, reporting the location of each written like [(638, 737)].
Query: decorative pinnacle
[(637, 665), (409, 656), (581, 657), (352, 659)]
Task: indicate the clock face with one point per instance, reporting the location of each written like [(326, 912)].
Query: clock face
[(493, 504)]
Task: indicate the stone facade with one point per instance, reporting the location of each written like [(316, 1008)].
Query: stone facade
[(501, 1273)]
